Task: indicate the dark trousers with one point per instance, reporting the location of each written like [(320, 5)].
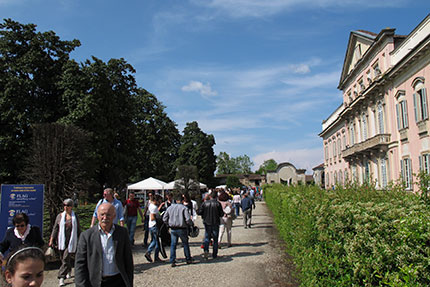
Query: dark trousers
[(113, 281), (211, 231)]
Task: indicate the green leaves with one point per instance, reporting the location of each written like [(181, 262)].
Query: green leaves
[(355, 236)]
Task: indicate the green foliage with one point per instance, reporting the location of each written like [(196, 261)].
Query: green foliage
[(354, 236), (233, 181), (239, 165), (269, 164), (197, 149)]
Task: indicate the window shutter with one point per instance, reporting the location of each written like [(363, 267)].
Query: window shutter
[(415, 107), (398, 116), (405, 113), (420, 158), (402, 170), (424, 102)]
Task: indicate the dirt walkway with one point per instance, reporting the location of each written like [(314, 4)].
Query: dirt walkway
[(256, 259)]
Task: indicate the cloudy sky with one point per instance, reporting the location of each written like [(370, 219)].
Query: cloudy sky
[(260, 75)]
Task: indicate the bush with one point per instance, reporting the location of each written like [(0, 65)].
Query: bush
[(354, 236)]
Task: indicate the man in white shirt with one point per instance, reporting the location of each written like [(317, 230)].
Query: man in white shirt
[(153, 229), (114, 268)]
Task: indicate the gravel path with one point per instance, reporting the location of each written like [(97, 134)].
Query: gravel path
[(256, 259)]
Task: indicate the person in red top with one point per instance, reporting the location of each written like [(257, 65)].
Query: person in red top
[(133, 207)]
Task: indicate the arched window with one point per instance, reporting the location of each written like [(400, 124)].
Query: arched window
[(380, 118)]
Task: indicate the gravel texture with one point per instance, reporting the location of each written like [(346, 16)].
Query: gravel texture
[(255, 259)]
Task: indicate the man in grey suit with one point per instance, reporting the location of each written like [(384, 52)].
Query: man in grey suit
[(104, 257)]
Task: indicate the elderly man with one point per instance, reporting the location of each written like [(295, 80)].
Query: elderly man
[(108, 195), (178, 218), (104, 256)]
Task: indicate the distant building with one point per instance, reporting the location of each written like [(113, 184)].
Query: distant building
[(318, 175), (286, 173), (381, 130), (246, 179)]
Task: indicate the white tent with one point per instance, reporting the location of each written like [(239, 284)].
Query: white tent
[(148, 184), (171, 185)]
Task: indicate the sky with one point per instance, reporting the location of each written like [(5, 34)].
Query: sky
[(259, 75)]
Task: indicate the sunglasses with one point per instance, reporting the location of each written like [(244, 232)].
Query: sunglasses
[(20, 225), (68, 205)]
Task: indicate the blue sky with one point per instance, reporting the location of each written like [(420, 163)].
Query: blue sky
[(260, 75)]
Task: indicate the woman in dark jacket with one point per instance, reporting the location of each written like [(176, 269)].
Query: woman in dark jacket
[(22, 234)]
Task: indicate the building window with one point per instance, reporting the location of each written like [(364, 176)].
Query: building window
[(402, 115), (354, 173), (345, 175), (344, 141), (340, 178), (406, 171), (366, 171), (334, 149), (364, 127), (425, 162), (361, 85), (351, 135), (380, 116), (376, 70), (420, 102), (384, 179), (339, 147), (369, 77), (326, 152)]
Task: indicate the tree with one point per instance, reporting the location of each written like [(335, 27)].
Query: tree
[(233, 181), (197, 149), (157, 138), (267, 165), (31, 65), (100, 97), (225, 164), (187, 176), (244, 164), (58, 159), (239, 165)]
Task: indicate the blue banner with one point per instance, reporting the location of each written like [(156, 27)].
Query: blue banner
[(21, 198)]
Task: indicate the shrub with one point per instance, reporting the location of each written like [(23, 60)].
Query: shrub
[(354, 236)]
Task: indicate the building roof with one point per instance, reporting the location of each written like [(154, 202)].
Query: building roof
[(318, 166)]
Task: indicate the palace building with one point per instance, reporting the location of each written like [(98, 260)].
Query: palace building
[(380, 132)]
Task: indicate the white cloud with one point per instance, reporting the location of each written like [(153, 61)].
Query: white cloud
[(262, 8), (204, 89), (300, 158)]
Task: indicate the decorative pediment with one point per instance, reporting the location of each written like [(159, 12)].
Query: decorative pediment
[(359, 42)]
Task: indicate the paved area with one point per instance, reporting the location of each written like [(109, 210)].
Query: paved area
[(255, 259)]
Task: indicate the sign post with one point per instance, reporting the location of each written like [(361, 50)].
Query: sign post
[(21, 198)]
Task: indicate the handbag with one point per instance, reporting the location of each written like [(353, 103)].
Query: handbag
[(50, 252)]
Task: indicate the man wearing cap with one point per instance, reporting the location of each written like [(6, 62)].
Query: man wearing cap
[(104, 257)]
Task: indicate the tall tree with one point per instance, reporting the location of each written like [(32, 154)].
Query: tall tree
[(269, 164), (58, 159), (225, 164), (31, 65), (197, 149), (100, 98), (157, 138), (244, 164)]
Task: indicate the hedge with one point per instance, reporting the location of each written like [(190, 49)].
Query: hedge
[(355, 236)]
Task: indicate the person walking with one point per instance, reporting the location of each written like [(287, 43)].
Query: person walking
[(132, 206), (227, 219), (236, 202), (247, 203), (65, 234), (104, 257), (178, 218), (153, 229), (211, 212), (108, 195)]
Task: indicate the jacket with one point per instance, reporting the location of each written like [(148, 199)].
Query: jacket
[(211, 212), (177, 216), (89, 258)]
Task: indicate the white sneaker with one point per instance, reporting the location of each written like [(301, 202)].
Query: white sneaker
[(62, 282)]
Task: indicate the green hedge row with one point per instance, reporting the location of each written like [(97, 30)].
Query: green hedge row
[(355, 236)]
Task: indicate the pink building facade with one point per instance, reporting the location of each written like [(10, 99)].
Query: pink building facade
[(380, 132)]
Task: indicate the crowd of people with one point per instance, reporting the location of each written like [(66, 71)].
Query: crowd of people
[(102, 255)]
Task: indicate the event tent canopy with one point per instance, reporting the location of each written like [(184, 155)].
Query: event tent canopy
[(148, 184), (171, 185)]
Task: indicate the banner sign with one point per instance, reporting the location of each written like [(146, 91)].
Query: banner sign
[(21, 198)]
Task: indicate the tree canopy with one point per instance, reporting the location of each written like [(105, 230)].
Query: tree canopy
[(267, 165), (230, 165)]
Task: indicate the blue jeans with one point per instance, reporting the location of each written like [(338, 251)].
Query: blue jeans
[(154, 241), (131, 225), (237, 206), (211, 232), (174, 235)]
